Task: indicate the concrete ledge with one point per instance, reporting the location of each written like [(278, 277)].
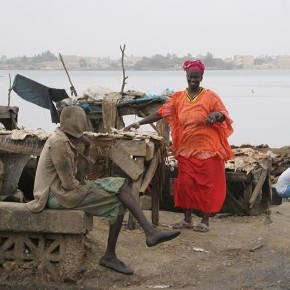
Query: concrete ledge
[(14, 217)]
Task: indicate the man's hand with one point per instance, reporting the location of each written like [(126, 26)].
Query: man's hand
[(86, 141)]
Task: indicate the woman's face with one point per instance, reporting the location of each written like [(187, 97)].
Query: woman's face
[(194, 78)]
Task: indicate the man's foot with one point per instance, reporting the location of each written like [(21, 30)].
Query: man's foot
[(160, 237), (117, 266)]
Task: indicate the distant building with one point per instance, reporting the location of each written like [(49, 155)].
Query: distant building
[(3, 58), (51, 65), (244, 60), (283, 61)]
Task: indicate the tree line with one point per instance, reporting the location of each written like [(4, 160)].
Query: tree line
[(155, 62)]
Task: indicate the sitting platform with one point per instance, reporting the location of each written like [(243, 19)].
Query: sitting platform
[(51, 243)]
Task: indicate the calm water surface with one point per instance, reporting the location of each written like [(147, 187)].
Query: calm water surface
[(258, 100)]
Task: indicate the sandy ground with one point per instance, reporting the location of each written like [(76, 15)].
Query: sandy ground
[(238, 253)]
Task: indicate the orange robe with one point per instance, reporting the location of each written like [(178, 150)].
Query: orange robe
[(199, 149)]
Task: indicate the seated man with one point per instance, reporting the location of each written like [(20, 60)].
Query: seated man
[(282, 186), (58, 185)]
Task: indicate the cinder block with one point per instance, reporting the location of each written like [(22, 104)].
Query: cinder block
[(15, 217)]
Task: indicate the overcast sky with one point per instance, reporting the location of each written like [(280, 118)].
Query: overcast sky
[(147, 27)]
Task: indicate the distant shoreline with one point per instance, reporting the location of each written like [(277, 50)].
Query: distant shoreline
[(112, 70)]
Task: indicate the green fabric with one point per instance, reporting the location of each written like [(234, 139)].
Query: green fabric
[(110, 184), (53, 203), (101, 199)]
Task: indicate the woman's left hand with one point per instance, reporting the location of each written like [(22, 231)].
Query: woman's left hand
[(214, 117)]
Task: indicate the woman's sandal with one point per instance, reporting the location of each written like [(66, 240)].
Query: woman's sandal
[(182, 225), (201, 227)]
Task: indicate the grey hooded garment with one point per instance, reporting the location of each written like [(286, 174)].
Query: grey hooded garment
[(57, 166)]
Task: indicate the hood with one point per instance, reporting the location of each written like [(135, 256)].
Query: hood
[(73, 121)]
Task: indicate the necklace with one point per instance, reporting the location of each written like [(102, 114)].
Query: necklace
[(194, 98)]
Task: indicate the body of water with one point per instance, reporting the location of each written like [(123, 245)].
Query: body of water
[(257, 100)]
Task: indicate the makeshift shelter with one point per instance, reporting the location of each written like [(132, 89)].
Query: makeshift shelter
[(138, 156), (248, 181), (9, 117), (105, 110)]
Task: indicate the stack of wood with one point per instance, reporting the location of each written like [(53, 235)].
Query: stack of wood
[(280, 157)]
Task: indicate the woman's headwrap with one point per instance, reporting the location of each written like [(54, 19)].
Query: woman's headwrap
[(193, 65)]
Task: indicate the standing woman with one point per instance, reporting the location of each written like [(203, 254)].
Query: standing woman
[(200, 125)]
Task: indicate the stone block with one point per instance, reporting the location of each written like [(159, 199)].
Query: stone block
[(16, 218)]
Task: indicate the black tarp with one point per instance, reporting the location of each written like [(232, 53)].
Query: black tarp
[(39, 94)]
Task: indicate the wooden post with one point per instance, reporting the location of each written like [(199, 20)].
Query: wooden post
[(156, 193), (123, 69), (9, 90), (72, 88), (258, 187), (150, 172), (136, 190), (163, 130), (248, 191)]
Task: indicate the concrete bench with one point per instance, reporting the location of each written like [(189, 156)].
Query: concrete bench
[(51, 242)]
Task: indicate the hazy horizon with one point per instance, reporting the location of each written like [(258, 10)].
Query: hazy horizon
[(98, 28), (132, 55)]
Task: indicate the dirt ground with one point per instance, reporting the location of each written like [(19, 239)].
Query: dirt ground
[(238, 253)]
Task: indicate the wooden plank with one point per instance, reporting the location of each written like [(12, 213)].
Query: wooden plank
[(133, 147), (150, 172), (238, 176), (136, 190), (156, 193), (31, 145), (120, 156), (235, 204), (150, 149), (137, 184), (248, 191), (164, 130), (266, 192), (258, 187)]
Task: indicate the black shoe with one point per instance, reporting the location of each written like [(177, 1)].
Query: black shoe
[(117, 266), (160, 237)]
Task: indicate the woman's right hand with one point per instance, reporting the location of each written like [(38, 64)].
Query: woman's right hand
[(154, 117), (134, 125)]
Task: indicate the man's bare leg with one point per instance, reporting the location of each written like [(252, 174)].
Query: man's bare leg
[(109, 259), (153, 236)]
